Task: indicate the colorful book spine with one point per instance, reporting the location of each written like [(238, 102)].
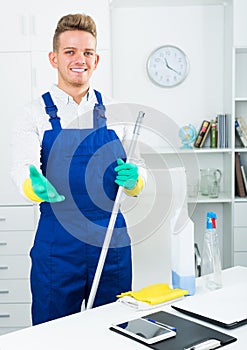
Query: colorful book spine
[(202, 134), (240, 188), (240, 133), (213, 135)]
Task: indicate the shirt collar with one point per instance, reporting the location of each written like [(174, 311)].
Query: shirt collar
[(60, 94)]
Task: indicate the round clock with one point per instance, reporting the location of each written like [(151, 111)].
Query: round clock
[(167, 66)]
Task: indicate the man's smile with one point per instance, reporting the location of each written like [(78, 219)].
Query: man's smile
[(78, 70)]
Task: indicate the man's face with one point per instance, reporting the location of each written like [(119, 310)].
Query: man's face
[(76, 58)]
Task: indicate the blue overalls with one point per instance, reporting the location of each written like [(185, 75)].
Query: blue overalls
[(80, 164)]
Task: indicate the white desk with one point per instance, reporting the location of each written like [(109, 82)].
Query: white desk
[(90, 329)]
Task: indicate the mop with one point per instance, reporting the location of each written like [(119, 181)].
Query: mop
[(113, 217)]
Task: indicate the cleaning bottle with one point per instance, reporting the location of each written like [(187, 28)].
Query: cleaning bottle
[(211, 258), (182, 237)]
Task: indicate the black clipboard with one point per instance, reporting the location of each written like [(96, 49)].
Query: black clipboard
[(222, 324), (211, 307), (189, 333)]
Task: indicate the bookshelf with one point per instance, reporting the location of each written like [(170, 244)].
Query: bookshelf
[(228, 205), (239, 109)]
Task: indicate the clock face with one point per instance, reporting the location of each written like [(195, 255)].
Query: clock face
[(167, 66)]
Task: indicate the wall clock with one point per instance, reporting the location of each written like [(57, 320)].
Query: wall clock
[(167, 66)]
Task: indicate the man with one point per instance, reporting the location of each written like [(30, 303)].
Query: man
[(82, 163)]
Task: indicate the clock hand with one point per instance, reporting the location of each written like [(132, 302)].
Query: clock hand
[(167, 65)]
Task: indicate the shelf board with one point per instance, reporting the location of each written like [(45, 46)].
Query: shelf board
[(240, 199), (241, 149), (211, 150), (163, 150), (241, 49), (223, 198), (241, 99)]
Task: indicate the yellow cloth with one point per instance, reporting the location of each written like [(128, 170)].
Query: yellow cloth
[(156, 294), (29, 192), (137, 189)]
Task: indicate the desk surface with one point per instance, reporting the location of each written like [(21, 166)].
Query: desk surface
[(90, 329)]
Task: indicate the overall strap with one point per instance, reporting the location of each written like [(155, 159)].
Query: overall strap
[(99, 119), (51, 110), (99, 97)]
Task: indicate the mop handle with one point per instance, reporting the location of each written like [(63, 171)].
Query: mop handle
[(113, 217)]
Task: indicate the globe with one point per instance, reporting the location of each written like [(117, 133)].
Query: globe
[(188, 135)]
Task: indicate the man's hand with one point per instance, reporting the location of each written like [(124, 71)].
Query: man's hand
[(127, 174), (43, 188)]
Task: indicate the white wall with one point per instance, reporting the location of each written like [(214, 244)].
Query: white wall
[(198, 30), (136, 32)]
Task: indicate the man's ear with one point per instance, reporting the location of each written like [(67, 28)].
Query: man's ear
[(53, 59), (96, 61)]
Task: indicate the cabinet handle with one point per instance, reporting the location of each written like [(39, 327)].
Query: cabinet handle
[(33, 25), (34, 77), (4, 291), (3, 243), (2, 219), (4, 267), (4, 315), (23, 25)]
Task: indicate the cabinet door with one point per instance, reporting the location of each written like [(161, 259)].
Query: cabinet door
[(239, 23), (31, 24), (15, 267), (15, 92), (14, 27), (15, 315), (43, 74), (44, 18)]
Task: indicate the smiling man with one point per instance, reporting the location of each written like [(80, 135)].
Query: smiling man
[(70, 163), (75, 58)]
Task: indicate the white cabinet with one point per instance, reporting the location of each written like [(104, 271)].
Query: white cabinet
[(17, 226), (26, 32), (15, 92), (239, 107), (25, 69), (240, 234), (32, 24)]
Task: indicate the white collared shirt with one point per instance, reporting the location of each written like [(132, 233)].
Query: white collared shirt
[(33, 121)]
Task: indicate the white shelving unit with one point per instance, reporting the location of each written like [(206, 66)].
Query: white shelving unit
[(239, 107)]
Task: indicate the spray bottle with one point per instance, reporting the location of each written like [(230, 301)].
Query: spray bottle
[(211, 258)]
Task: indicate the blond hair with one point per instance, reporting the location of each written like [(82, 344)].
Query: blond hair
[(78, 21)]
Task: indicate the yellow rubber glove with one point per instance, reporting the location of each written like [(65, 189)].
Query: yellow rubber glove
[(43, 190)]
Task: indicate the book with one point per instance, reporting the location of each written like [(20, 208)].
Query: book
[(240, 133), (243, 127), (243, 173), (223, 124), (213, 135), (227, 127), (244, 177), (202, 133), (240, 188)]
